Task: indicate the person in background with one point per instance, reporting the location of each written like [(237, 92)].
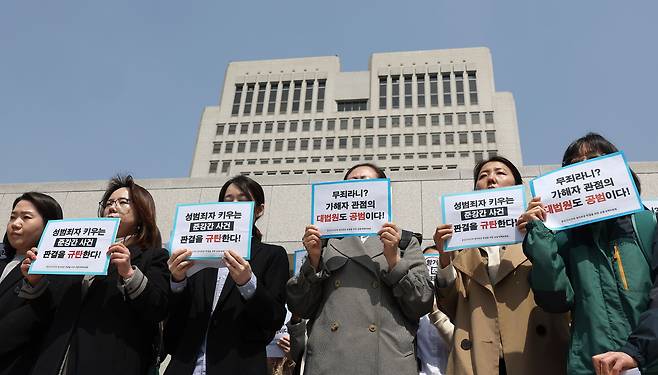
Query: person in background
[(485, 291), (20, 334)]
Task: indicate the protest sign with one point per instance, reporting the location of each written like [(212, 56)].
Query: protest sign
[(209, 229), (432, 262), (484, 217), (652, 205), (298, 259), (586, 192), (351, 207), (273, 350), (75, 247)]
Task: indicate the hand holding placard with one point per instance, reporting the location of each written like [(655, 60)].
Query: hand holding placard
[(313, 245), (179, 263), (390, 237), (30, 257)]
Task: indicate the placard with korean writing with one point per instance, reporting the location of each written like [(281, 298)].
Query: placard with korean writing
[(589, 191), (432, 261), (351, 207), (484, 217), (75, 247), (272, 349), (298, 259), (210, 229), (651, 204)]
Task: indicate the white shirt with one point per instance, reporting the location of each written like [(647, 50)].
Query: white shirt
[(446, 276), (432, 351)]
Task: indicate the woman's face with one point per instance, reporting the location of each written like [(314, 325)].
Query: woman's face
[(234, 194), (119, 205), (494, 174), (362, 173), (24, 227)]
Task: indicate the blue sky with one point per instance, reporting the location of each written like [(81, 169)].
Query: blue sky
[(89, 89)]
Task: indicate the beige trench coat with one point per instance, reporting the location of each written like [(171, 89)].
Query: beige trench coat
[(501, 316)]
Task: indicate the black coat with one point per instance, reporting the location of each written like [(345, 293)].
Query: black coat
[(19, 330), (238, 330), (108, 332)]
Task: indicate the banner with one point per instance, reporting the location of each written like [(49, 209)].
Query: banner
[(298, 259), (586, 192), (351, 207), (484, 217), (75, 247), (209, 229), (652, 205)]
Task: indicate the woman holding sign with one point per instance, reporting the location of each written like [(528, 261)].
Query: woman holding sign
[(222, 319), (364, 297), (20, 335), (106, 324), (600, 272), (485, 291)]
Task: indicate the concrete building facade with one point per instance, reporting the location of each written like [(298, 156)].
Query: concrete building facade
[(411, 111)]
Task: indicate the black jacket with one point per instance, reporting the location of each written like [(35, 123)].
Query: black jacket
[(108, 332), (238, 330)]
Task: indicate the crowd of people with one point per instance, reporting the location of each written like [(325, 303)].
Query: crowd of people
[(561, 302)]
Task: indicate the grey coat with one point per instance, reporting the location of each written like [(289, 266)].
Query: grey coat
[(362, 318)]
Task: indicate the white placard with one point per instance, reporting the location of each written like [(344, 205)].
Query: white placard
[(586, 192), (432, 262), (273, 350), (298, 259), (351, 207), (209, 229), (651, 204), (484, 217), (75, 247)]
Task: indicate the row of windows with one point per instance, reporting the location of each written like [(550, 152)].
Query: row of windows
[(355, 123), (413, 89), (226, 165), (354, 142), (278, 97)]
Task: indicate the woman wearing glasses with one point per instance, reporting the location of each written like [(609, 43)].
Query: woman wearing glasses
[(107, 324)]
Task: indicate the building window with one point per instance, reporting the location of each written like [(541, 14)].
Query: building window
[(260, 100), (422, 119), (296, 95), (408, 156), (478, 155), (395, 90), (370, 122), (232, 128), (242, 146), (472, 88), (368, 157), (356, 142), (308, 98), (247, 103), (293, 126), (253, 146), (285, 92), (228, 149), (220, 129), (436, 139), (292, 144), (281, 127), (356, 123), (408, 121), (342, 142), (343, 124), (434, 90), (382, 92), (488, 118), (475, 118), (408, 140), (331, 125), (315, 159), (395, 140), (276, 161), (267, 145), (435, 120), (381, 141), (395, 157), (251, 161), (328, 159), (321, 87), (303, 144), (450, 155), (369, 141), (395, 121), (461, 118), (290, 160), (236, 104), (306, 125), (464, 154), (491, 136), (244, 128), (225, 166), (271, 106), (317, 143), (407, 91), (447, 119), (216, 147), (477, 137), (493, 153), (459, 87), (317, 125), (256, 128), (264, 161), (447, 99), (450, 138), (420, 84), (382, 122), (268, 127), (422, 139), (278, 145), (463, 138), (352, 105)]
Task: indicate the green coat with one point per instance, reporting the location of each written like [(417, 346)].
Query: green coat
[(600, 273)]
